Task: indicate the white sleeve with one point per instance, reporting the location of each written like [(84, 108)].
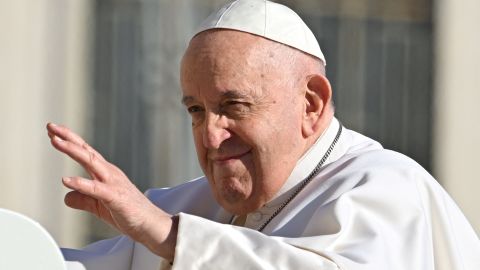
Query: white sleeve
[(204, 244), (115, 253), (119, 253)]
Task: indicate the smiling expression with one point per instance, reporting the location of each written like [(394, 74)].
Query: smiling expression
[(246, 116)]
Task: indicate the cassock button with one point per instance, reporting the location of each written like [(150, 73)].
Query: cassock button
[(257, 216)]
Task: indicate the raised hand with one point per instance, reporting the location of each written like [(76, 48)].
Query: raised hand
[(112, 197)]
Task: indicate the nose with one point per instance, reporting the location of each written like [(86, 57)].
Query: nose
[(215, 131)]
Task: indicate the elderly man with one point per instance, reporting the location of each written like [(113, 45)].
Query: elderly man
[(285, 186)]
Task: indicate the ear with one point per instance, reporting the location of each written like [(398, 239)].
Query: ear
[(317, 98)]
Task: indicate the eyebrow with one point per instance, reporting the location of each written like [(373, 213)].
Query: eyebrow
[(233, 94), (187, 99)]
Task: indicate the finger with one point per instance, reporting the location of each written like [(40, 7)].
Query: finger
[(77, 200), (96, 166), (66, 134), (94, 189)]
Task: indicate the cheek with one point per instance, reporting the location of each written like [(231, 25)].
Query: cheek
[(289, 119), (282, 134), (200, 149)]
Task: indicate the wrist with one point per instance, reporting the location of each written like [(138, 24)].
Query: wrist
[(160, 235)]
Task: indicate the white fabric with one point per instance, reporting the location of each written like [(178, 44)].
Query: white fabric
[(265, 19), (25, 244), (368, 208)]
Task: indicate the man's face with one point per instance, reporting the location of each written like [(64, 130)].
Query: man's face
[(246, 117)]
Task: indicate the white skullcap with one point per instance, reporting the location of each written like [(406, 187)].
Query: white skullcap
[(266, 19)]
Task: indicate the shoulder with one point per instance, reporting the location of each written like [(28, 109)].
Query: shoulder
[(367, 169), (384, 169), (366, 156), (382, 183), (386, 160)]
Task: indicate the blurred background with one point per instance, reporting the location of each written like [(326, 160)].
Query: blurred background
[(405, 72)]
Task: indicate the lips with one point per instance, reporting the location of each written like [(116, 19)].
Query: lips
[(226, 158)]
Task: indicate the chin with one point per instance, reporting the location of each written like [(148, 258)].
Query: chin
[(240, 206)]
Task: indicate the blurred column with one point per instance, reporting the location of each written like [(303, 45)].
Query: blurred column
[(44, 47), (457, 108)]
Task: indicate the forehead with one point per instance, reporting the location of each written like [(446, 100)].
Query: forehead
[(225, 50), (225, 63)]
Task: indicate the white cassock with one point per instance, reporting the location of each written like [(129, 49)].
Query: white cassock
[(368, 208)]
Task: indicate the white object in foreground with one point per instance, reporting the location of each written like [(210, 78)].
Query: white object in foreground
[(25, 244)]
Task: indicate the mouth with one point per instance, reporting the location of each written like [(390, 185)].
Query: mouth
[(223, 159)]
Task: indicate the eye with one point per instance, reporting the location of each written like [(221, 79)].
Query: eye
[(235, 108), (194, 109), (232, 102), (196, 114), (235, 104)]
